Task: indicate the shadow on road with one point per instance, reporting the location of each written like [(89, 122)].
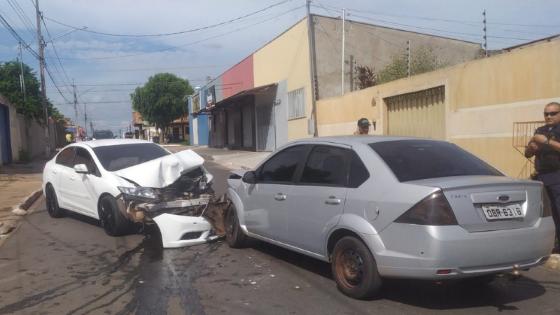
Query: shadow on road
[(500, 293)]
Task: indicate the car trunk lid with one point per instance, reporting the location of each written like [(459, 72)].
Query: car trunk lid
[(489, 203)]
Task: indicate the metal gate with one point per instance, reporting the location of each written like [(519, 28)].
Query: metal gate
[(417, 114), (5, 143)]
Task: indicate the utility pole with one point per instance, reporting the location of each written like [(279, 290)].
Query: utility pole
[(75, 101), (408, 58), (21, 74), (485, 38), (41, 43), (85, 119), (312, 65), (343, 46), (91, 127)]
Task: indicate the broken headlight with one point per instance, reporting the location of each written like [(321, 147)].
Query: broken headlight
[(141, 192)]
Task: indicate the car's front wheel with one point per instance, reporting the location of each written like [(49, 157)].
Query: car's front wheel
[(354, 269), (234, 236), (53, 208), (112, 220)]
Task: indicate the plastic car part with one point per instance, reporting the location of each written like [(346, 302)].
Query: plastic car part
[(432, 210)]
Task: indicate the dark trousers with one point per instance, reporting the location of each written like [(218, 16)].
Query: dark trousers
[(551, 183)]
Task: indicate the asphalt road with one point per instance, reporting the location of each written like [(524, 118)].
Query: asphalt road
[(69, 266)]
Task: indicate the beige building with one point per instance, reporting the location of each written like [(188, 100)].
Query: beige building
[(488, 106)]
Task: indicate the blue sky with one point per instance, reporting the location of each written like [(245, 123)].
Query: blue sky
[(106, 69)]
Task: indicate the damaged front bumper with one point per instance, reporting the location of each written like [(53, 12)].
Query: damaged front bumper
[(182, 222)]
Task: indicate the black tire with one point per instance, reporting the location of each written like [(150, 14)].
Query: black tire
[(112, 220), (52, 203), (234, 235), (354, 269)]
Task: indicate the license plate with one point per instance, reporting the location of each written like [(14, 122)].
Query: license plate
[(501, 212)]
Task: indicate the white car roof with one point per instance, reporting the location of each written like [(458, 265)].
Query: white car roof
[(350, 140), (108, 142)]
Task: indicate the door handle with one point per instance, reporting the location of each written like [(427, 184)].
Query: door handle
[(280, 197), (332, 201)]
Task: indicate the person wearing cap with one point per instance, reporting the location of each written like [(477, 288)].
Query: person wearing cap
[(363, 127)]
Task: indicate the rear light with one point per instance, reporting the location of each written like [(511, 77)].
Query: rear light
[(432, 210), (546, 206)]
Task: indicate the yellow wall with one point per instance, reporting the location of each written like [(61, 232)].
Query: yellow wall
[(483, 98), (287, 58)]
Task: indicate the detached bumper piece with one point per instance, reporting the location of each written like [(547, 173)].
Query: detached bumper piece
[(180, 231)]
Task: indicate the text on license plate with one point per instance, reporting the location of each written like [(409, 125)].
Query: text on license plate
[(497, 212)]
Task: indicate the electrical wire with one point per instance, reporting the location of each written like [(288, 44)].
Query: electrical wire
[(190, 43), (88, 30)]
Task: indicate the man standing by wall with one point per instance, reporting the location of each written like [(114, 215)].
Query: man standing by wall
[(545, 146), (363, 127)]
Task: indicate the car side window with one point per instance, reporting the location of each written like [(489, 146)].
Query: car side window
[(83, 157), (282, 166), (358, 171), (66, 157), (327, 166)]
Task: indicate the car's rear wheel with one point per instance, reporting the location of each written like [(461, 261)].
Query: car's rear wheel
[(234, 235), (112, 220), (354, 269), (53, 208)]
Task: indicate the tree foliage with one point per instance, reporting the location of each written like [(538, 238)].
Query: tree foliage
[(365, 77), (10, 88), (162, 99), (423, 59)]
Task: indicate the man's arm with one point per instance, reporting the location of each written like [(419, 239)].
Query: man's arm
[(531, 149), (542, 140)]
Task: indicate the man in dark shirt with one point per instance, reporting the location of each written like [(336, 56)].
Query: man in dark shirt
[(545, 146)]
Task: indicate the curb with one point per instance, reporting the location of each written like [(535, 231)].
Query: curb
[(20, 211), (553, 262)]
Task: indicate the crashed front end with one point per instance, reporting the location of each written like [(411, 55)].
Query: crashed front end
[(186, 211)]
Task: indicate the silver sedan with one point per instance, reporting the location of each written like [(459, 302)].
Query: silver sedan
[(380, 207)]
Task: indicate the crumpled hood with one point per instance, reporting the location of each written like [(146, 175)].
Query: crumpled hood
[(162, 172)]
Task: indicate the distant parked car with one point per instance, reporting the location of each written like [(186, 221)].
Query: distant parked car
[(103, 134), (124, 181), (377, 207)]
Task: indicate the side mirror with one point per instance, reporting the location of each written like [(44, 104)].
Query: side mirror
[(81, 169), (250, 177)]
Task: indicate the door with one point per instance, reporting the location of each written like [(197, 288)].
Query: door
[(80, 188), (265, 201), (418, 114), (317, 200), (61, 172), (5, 143)]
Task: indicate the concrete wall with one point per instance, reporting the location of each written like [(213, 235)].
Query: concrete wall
[(287, 58), (483, 98), (373, 46)]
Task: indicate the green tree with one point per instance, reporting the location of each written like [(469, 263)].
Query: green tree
[(162, 99), (10, 88), (423, 59)]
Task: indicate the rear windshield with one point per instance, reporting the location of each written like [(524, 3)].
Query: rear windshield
[(421, 159), (103, 134), (116, 157)]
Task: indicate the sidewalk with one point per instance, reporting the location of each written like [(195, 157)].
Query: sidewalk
[(20, 186)]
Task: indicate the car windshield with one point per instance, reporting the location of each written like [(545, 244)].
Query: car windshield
[(117, 157), (421, 159)]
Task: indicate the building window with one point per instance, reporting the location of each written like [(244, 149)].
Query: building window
[(296, 104)]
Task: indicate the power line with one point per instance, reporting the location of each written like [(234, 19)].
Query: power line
[(174, 33), (23, 17), (17, 36), (191, 43), (435, 29)]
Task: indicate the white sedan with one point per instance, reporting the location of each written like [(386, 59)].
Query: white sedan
[(123, 182)]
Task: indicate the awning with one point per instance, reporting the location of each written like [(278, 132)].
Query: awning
[(223, 103)]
